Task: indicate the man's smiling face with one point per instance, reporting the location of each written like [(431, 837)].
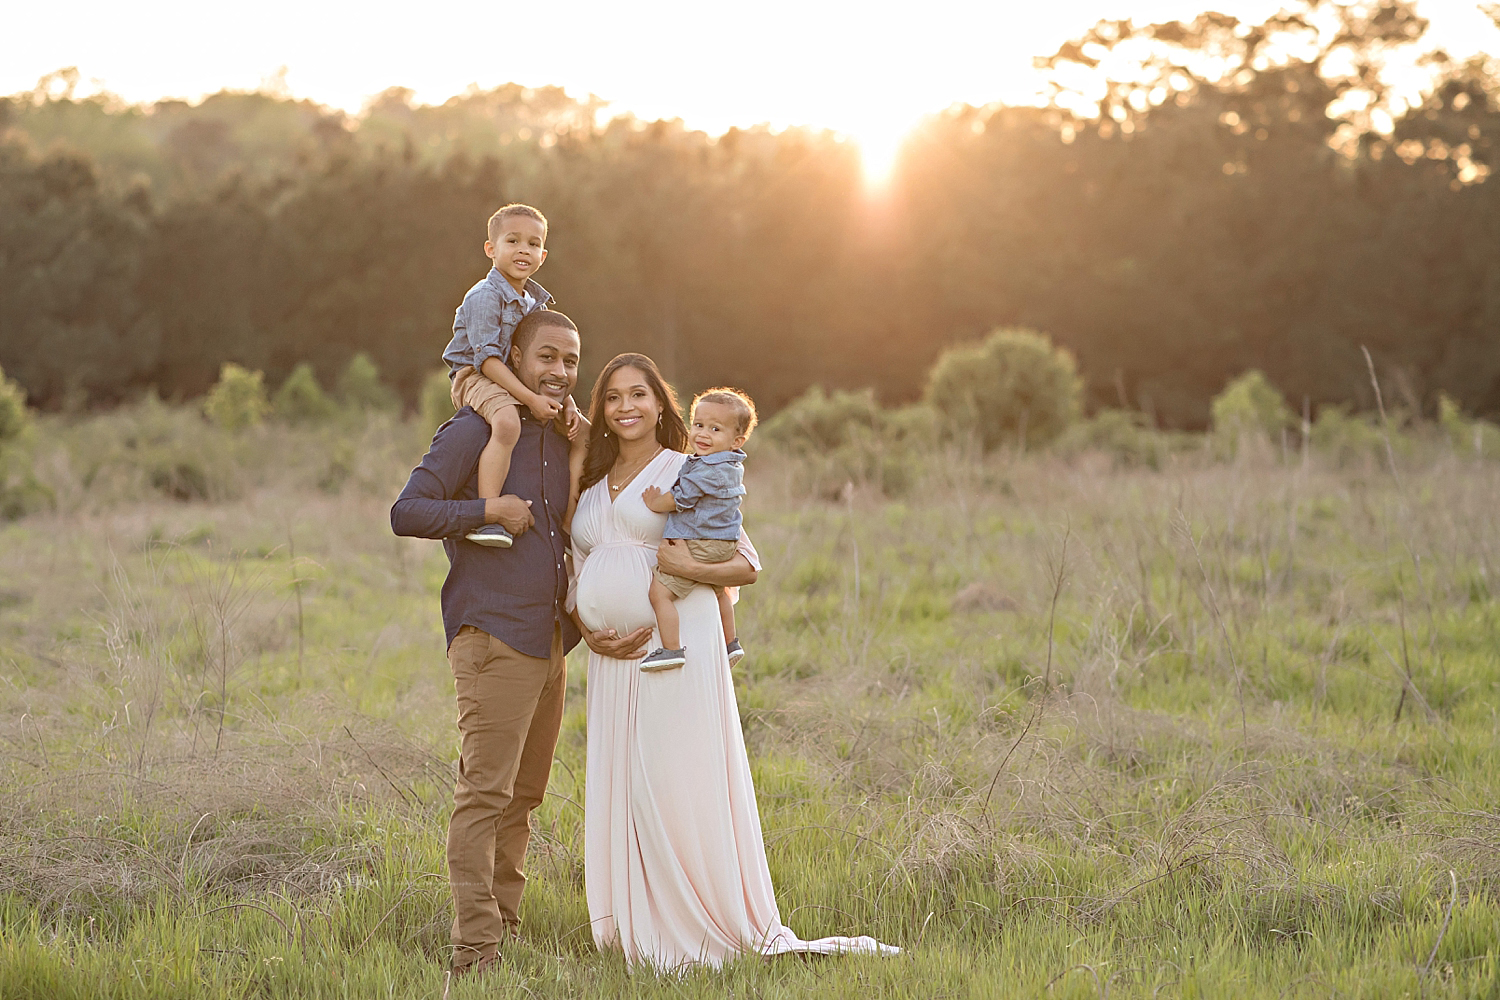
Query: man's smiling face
[(548, 364)]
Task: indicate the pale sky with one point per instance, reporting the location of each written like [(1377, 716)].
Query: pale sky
[(869, 69)]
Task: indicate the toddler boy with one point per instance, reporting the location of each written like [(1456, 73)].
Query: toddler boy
[(704, 509), (482, 329)]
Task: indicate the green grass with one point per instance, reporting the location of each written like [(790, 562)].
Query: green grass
[(1249, 751)]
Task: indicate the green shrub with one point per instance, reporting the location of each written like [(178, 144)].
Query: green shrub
[(821, 422), (436, 402), (301, 400), (1014, 387), (1347, 437), (1479, 438), (1250, 405), (238, 400), (360, 388), (14, 417), (21, 493), (847, 437), (1126, 436)]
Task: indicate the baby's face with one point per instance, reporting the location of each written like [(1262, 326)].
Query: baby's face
[(715, 428)]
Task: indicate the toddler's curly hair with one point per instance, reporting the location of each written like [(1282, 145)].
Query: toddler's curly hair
[(736, 399)]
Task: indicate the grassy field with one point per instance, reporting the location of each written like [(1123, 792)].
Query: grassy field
[(1057, 728)]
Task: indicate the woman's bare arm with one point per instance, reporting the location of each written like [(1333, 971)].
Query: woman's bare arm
[(673, 557)]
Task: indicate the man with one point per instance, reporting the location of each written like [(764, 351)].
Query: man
[(507, 633)]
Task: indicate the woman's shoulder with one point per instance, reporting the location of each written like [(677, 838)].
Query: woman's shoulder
[(669, 461)]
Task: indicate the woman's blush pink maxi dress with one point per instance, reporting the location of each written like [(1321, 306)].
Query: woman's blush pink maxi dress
[(674, 863)]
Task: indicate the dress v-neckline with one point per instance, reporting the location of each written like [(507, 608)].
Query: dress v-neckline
[(615, 495)]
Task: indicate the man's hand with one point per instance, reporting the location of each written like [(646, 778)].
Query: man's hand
[(542, 407), (628, 647), (510, 512), (658, 499)]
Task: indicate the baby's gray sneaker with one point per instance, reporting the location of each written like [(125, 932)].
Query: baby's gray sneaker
[(663, 659), (491, 535), (736, 652)]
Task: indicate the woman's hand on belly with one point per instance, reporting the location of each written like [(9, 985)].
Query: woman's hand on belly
[(627, 647)]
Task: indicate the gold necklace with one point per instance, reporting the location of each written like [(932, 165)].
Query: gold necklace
[(615, 490)]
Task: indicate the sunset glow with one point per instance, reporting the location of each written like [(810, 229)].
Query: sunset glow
[(879, 148), (870, 77)]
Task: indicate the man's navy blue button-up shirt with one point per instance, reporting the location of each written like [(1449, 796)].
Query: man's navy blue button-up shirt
[(515, 594)]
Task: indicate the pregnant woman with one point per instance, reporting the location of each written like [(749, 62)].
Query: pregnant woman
[(675, 866)]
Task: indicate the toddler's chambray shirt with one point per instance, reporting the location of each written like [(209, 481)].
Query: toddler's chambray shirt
[(708, 492), (486, 320)]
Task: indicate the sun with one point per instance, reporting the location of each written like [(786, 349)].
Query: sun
[(880, 146)]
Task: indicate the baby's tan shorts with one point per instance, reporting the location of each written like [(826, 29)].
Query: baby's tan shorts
[(709, 550)]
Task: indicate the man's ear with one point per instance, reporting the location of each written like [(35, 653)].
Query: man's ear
[(515, 358)]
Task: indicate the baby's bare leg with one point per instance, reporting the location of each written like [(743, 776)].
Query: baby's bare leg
[(726, 615), (494, 460), (666, 615)]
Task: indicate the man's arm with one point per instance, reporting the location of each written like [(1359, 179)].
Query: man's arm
[(426, 508), (673, 557)]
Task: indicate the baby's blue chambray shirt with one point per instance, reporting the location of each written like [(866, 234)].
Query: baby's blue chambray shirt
[(486, 320), (708, 492)]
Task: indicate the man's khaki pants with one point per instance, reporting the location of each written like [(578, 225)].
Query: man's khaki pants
[(510, 707)]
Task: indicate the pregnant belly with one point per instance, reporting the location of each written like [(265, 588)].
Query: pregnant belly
[(612, 588)]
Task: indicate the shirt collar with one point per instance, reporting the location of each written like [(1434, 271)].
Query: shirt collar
[(720, 457), (508, 292)]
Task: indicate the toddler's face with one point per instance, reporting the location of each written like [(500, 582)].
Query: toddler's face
[(716, 427), (520, 249)]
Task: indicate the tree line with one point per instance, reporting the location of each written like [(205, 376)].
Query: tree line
[(1233, 200)]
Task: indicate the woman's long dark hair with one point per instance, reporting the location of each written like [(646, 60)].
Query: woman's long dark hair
[(604, 447)]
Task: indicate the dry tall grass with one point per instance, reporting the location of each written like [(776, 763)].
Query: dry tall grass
[(1048, 723)]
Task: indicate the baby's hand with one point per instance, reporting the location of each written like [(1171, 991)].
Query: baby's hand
[(658, 499), (572, 419), (543, 408)]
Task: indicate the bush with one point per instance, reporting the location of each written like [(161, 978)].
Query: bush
[(817, 422), (1347, 437), (1250, 405), (1479, 438), (1013, 387), (436, 401), (1126, 436), (847, 437), (359, 386), (14, 418), (301, 400), (20, 491), (238, 400)]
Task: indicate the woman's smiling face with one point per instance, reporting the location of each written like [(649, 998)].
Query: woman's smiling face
[(631, 409)]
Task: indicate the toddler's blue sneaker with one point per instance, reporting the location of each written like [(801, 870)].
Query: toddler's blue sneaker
[(491, 535), (663, 659), (736, 652)]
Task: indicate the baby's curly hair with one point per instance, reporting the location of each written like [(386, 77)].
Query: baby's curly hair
[(737, 400)]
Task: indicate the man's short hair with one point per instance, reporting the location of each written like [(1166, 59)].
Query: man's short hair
[(536, 321), (737, 400), (514, 209)]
